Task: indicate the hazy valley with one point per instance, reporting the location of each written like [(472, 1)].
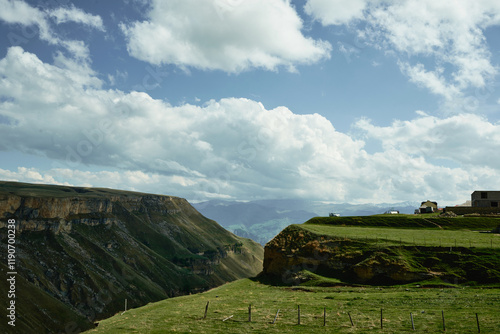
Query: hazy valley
[(262, 220)]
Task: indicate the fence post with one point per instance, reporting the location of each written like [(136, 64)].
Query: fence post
[(412, 324), (298, 314), (125, 306), (206, 310), (276, 317), (352, 323), (250, 313), (381, 319), (477, 320)]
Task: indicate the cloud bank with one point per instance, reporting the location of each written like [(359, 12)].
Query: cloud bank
[(232, 148)]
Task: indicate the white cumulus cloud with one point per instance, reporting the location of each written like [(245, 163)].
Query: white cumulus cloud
[(227, 35), (455, 138)]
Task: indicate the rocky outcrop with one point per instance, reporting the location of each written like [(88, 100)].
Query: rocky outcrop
[(85, 250), (59, 213), (295, 250)]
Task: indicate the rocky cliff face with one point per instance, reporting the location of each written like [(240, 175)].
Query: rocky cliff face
[(48, 213), (84, 251)]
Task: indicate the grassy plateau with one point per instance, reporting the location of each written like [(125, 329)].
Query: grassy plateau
[(425, 237)]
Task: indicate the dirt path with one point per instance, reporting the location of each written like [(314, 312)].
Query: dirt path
[(432, 223)]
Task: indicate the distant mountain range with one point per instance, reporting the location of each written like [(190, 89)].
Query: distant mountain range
[(261, 220)]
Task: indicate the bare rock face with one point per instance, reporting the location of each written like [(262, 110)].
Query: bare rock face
[(291, 249), (82, 251), (59, 213)]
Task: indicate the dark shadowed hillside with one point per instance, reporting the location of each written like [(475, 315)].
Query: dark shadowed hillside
[(80, 252)]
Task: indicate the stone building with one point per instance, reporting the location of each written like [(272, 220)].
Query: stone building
[(485, 199)]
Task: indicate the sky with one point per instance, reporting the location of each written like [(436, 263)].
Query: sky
[(359, 101)]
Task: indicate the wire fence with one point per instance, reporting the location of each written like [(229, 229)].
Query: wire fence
[(393, 320), (493, 242), (411, 237)]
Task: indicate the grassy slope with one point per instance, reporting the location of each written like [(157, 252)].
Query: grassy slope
[(184, 314)]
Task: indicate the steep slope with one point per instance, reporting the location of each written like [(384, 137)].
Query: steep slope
[(81, 252)]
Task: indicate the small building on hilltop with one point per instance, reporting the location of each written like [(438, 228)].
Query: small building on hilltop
[(485, 199), (484, 202), (428, 207)]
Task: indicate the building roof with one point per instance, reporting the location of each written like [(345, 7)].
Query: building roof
[(428, 203)]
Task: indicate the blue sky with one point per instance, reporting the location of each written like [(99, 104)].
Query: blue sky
[(343, 101)]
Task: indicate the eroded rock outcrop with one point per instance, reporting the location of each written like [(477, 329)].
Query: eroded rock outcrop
[(48, 212), (295, 250)]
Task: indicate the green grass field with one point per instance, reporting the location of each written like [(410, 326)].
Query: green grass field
[(386, 236), (363, 304), (432, 221)]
